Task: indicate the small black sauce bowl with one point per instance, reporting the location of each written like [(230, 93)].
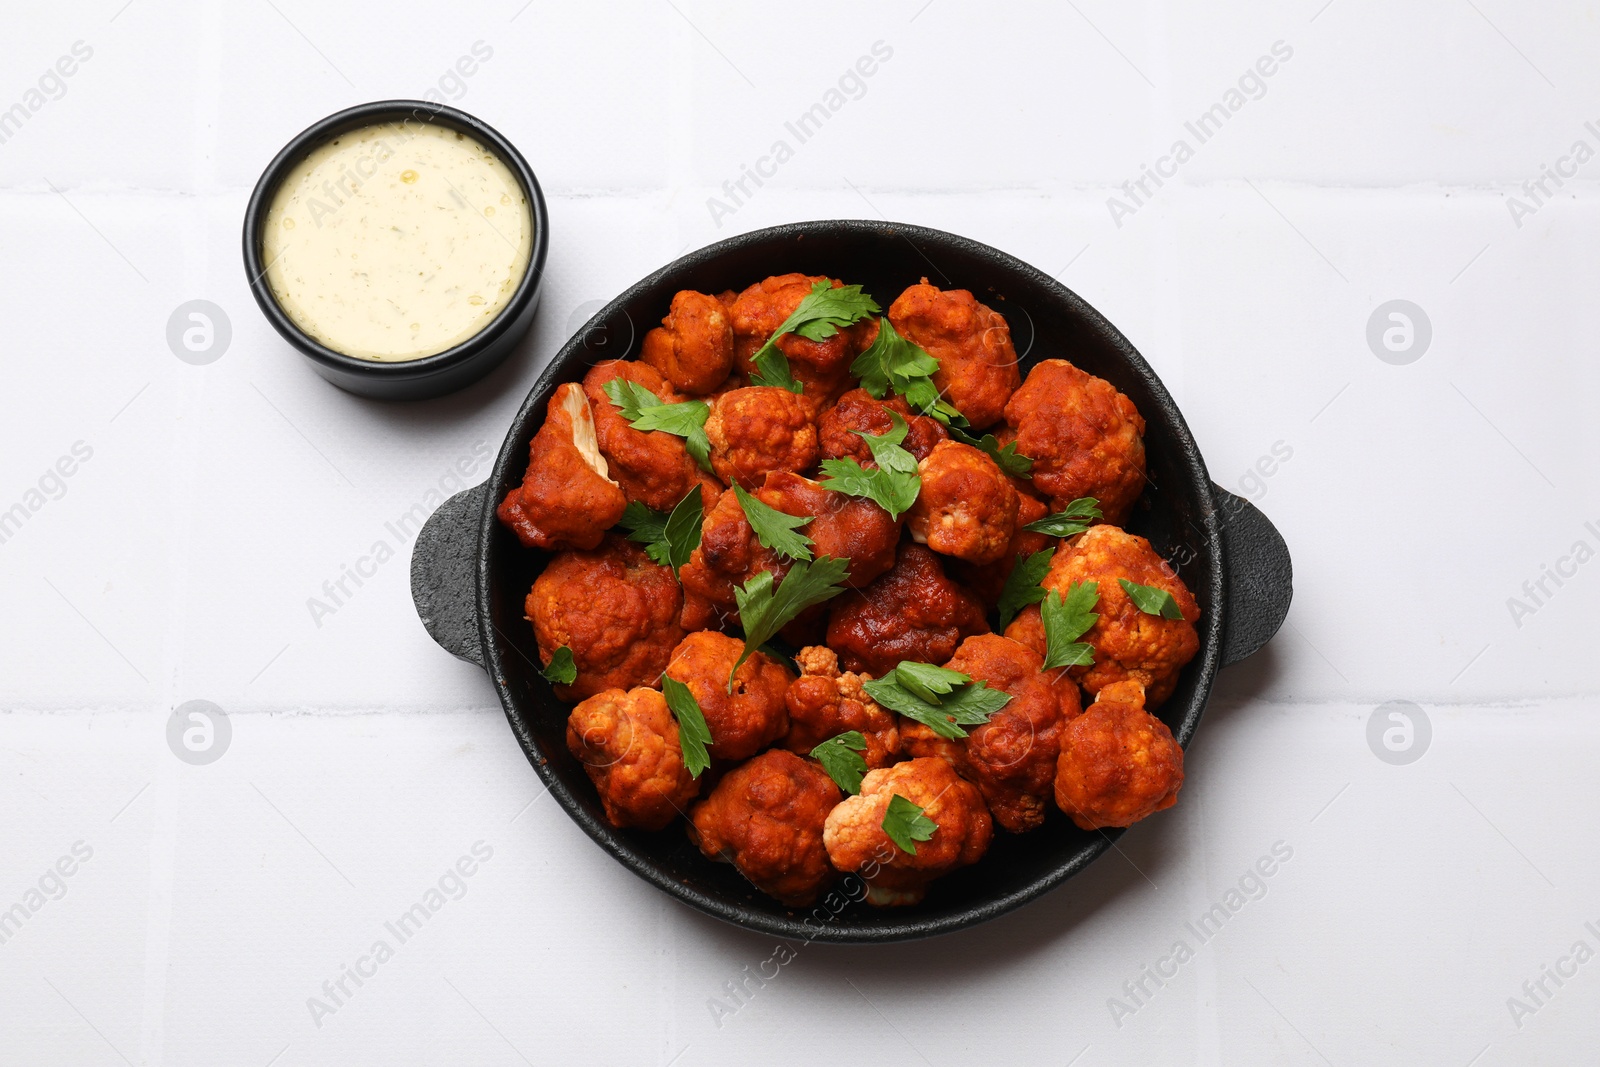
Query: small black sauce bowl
[(430, 376)]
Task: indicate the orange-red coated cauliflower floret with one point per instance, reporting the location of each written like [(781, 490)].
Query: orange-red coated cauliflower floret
[(967, 507), (989, 580), (653, 467), (766, 817), (977, 365), (1084, 437), (615, 608), (825, 703), (728, 555), (841, 526), (857, 843), (1127, 643), (838, 426), (913, 612), (821, 367), (628, 744), (566, 499), (1119, 763), (693, 346), (1012, 757), (760, 429), (750, 717)]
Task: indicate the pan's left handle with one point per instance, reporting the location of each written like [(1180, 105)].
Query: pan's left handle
[(443, 579)]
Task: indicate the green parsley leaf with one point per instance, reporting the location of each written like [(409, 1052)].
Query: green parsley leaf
[(841, 757), (772, 370), (669, 539), (885, 448), (818, 317), (644, 524), (646, 411), (1008, 459), (1077, 517), (630, 398), (892, 362), (764, 611), (893, 485), (1150, 600), (927, 682), (969, 703), (682, 534), (562, 670), (896, 364), (1067, 620), (1022, 585), (693, 734), (773, 528), (905, 824), (893, 492), (890, 490)]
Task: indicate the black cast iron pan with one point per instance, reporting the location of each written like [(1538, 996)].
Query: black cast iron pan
[(469, 575)]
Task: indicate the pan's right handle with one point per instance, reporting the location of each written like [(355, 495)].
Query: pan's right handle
[(443, 574), (1260, 577)]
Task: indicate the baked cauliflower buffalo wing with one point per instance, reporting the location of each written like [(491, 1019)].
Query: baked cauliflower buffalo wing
[(967, 507), (628, 744), (840, 427), (977, 365), (824, 703), (652, 466), (1127, 643), (1012, 757), (567, 498), (617, 611), (989, 579), (1084, 437), (752, 715), (766, 817), (821, 367), (728, 555), (757, 430), (857, 842), (1118, 762), (693, 346), (913, 612), (841, 526)]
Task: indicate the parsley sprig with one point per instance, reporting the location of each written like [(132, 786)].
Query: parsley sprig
[(905, 824), (1067, 620), (819, 315), (1151, 600), (1072, 520), (1008, 459), (1023, 585), (646, 411), (561, 670), (893, 484), (941, 699), (897, 364), (669, 538), (773, 528), (764, 610), (693, 733), (841, 757)]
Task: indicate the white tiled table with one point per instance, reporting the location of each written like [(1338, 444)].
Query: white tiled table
[(176, 561)]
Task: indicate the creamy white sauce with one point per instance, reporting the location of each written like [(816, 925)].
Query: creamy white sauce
[(397, 241)]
